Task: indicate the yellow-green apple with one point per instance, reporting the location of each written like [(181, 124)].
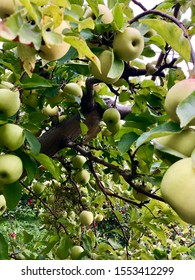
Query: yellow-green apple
[(52, 51), (103, 11), (57, 98), (73, 89), (86, 217), (82, 177), (111, 116), (8, 7), (49, 111), (140, 196), (2, 204), (176, 94), (99, 217), (9, 102), (30, 98), (114, 127), (76, 252), (106, 59), (128, 44), (11, 168), (38, 187), (182, 142), (78, 161), (178, 188), (149, 33), (11, 136)]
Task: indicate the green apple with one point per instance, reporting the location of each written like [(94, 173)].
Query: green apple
[(114, 127), (175, 95), (31, 99), (178, 189), (57, 98), (82, 177), (78, 161), (11, 168), (128, 44), (49, 111), (2, 204), (12, 136), (8, 7), (38, 187), (52, 52), (9, 102), (104, 12), (149, 33), (99, 217), (140, 196), (73, 89), (111, 116), (76, 252), (106, 60), (182, 142), (86, 217)]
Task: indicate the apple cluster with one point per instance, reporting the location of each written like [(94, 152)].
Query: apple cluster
[(11, 137), (178, 182), (127, 45)]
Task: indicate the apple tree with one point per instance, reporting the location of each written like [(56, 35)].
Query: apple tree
[(97, 128)]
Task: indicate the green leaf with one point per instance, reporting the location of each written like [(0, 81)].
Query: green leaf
[(35, 81), (63, 249), (158, 131), (116, 68), (83, 50), (27, 237), (3, 248), (118, 16), (172, 34), (186, 110), (126, 141), (48, 163), (12, 193), (33, 142)]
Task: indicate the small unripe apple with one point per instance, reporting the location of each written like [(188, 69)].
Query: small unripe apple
[(140, 196), (31, 99), (2, 204), (182, 142), (78, 161), (73, 89), (86, 217), (104, 12), (111, 116), (82, 177), (53, 52), (114, 127), (106, 60), (178, 189), (11, 136), (149, 33), (38, 187), (76, 252), (11, 168), (128, 44), (175, 95), (99, 217), (9, 102), (49, 111), (57, 98)]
